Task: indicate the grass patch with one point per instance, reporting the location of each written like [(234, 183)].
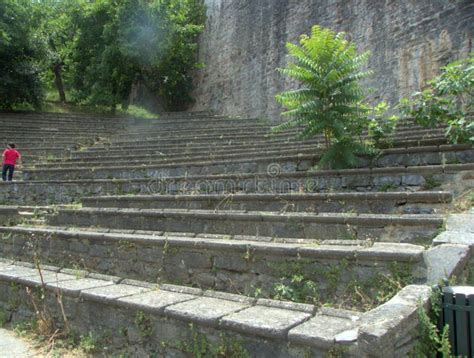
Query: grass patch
[(58, 107)]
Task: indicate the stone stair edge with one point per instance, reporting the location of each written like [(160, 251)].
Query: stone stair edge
[(420, 195), (224, 153), (246, 159), (402, 252), (326, 217), (428, 169)]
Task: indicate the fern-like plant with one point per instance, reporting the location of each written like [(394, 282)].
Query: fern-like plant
[(329, 101)]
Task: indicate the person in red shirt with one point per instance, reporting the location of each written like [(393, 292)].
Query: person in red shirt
[(10, 157)]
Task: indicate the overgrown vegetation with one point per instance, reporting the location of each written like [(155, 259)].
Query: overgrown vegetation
[(448, 100), (297, 284), (199, 346), (331, 102), (432, 342), (97, 51), (20, 51)]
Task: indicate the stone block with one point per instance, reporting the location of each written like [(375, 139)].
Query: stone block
[(321, 331), (155, 301), (204, 310), (264, 321)]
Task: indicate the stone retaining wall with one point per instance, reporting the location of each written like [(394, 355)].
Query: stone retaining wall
[(235, 266), (409, 42), (378, 179)]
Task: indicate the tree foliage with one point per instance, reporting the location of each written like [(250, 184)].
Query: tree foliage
[(97, 50), (448, 100), (120, 43), (20, 54), (329, 101)]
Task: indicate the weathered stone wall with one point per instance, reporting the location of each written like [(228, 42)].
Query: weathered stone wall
[(244, 42)]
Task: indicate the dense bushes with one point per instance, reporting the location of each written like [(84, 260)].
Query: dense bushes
[(20, 53), (96, 50), (448, 100)]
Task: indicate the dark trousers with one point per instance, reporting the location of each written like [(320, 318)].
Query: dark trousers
[(8, 169)]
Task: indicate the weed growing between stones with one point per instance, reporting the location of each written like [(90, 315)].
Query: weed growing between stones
[(465, 201), (387, 187), (46, 324), (297, 285), (4, 317), (297, 289), (90, 343), (431, 183), (144, 324), (432, 342), (378, 289), (200, 347)]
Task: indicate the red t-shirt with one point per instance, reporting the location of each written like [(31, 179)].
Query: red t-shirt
[(10, 156)]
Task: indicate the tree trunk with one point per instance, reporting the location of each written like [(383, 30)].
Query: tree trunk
[(58, 80)]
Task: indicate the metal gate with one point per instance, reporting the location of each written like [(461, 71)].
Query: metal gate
[(457, 311)]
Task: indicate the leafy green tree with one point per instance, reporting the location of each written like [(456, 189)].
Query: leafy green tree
[(20, 55), (329, 101), (174, 82), (102, 74), (53, 22), (448, 101)]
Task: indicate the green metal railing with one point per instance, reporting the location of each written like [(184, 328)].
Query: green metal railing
[(457, 311)]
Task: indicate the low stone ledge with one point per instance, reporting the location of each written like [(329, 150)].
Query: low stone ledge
[(321, 331), (379, 331), (445, 261), (231, 297), (264, 321), (74, 287), (382, 327), (182, 289), (455, 237), (460, 222), (46, 277), (204, 310), (287, 305), (155, 301), (111, 293)]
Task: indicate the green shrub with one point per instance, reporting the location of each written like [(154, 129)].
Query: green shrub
[(448, 101), (381, 126), (330, 99)]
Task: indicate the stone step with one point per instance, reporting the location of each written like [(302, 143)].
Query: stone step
[(456, 176), (382, 203), (315, 226), (52, 129), (215, 147), (255, 163), (229, 265), (229, 148), (146, 319), (136, 134), (250, 137), (388, 157), (27, 144)]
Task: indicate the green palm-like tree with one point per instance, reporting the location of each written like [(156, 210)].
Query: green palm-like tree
[(329, 102)]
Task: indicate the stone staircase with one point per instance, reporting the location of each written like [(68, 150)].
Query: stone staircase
[(194, 233)]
